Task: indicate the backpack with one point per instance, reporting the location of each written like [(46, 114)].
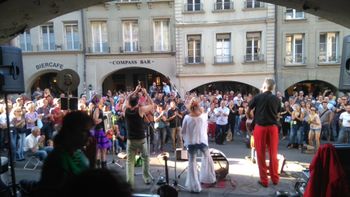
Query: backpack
[(138, 161)]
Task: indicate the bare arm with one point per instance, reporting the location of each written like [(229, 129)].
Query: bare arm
[(147, 108), (248, 113)]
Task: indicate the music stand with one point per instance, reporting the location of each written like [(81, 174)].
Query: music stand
[(114, 161)]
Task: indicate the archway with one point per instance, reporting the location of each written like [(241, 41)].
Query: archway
[(128, 78), (48, 80), (314, 87), (226, 86)]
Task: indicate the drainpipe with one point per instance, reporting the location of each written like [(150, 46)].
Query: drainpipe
[(84, 50), (275, 52)]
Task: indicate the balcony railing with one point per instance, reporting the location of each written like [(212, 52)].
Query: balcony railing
[(52, 47), (223, 6), (223, 59), (137, 49), (296, 15), (27, 48), (253, 58), (298, 59), (193, 7), (194, 60), (127, 1), (171, 49), (253, 4), (104, 49), (330, 59)]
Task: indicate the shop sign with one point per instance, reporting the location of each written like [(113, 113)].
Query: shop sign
[(49, 65), (131, 62)]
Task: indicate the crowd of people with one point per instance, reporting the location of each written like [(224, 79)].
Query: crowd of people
[(127, 121)]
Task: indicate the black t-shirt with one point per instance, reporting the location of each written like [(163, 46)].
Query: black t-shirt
[(267, 106), (176, 122)]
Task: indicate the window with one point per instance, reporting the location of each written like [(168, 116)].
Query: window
[(223, 48), (48, 37), (329, 47), (253, 47), (223, 5), (193, 5), (72, 36), (130, 36), (161, 34), (128, 0), (194, 49), (25, 42), (99, 37), (253, 4), (292, 14), (295, 49)]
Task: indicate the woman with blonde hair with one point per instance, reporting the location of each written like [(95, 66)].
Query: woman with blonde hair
[(315, 128), (194, 132), (19, 122), (297, 129)]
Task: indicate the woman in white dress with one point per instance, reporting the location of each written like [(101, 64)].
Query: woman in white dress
[(194, 132)]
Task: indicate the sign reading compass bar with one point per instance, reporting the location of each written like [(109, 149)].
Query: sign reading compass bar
[(131, 62)]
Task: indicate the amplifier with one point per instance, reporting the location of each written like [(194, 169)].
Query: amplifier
[(181, 154)]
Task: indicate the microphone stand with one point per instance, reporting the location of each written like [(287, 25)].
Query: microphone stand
[(10, 155), (114, 161), (175, 182)]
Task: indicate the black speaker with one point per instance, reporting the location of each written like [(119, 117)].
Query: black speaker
[(11, 70), (344, 80)]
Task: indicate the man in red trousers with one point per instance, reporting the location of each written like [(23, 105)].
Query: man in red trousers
[(266, 107)]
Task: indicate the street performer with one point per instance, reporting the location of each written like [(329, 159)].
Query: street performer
[(136, 138), (194, 131), (266, 107)]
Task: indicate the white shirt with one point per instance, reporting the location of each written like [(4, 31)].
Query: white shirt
[(211, 115), (222, 115), (345, 117), (30, 142), (194, 129), (3, 119)]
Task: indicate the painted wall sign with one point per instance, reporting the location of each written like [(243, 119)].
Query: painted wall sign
[(131, 62), (49, 65)]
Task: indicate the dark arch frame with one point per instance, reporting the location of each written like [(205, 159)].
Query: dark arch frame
[(146, 82), (316, 87), (225, 86)]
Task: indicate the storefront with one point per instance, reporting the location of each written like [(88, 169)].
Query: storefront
[(120, 73), (40, 70)]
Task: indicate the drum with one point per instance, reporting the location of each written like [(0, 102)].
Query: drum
[(221, 164)]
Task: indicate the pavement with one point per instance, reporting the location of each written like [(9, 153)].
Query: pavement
[(240, 181)]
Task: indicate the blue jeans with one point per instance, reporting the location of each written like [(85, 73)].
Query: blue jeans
[(43, 152), (344, 135), (207, 172), (20, 148), (296, 135)]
